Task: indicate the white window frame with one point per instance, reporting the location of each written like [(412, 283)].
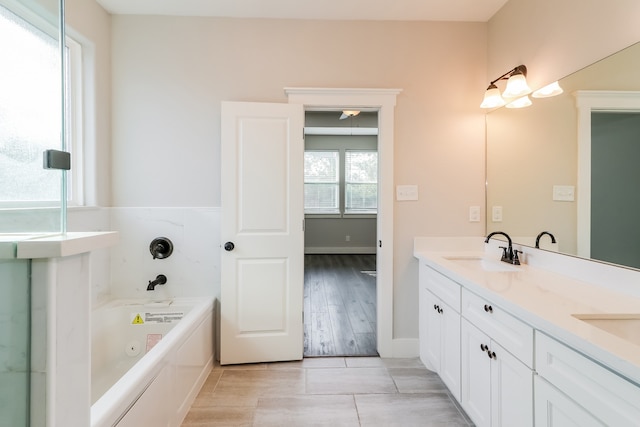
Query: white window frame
[(342, 211), (73, 109), (352, 212), (74, 121), (328, 211)]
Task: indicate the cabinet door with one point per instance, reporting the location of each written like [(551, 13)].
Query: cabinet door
[(432, 334), (450, 356), (555, 409), (476, 375), (511, 390), (423, 322), (603, 393)]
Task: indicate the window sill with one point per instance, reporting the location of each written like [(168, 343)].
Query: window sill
[(337, 215), (360, 215), (323, 215)]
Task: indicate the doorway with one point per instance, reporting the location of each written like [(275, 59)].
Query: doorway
[(383, 101), (341, 201), (340, 305)]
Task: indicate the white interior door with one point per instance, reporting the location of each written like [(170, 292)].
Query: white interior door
[(262, 266)]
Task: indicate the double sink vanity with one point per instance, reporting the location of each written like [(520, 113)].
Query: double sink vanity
[(544, 343)]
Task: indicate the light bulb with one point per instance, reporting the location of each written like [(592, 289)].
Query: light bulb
[(516, 86), (492, 98), (549, 90), (520, 102)]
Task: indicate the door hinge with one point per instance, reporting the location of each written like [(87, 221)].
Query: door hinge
[(303, 225)]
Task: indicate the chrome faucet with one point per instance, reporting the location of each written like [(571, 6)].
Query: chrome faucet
[(161, 279), (508, 255), (553, 239)]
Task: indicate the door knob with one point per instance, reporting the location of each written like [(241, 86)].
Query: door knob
[(229, 246)]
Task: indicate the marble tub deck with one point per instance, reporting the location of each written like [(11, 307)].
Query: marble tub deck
[(335, 391)]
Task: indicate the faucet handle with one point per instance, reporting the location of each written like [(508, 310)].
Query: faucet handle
[(505, 256), (516, 260)]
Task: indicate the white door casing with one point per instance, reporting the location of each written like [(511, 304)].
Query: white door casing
[(383, 101), (588, 101), (262, 217)]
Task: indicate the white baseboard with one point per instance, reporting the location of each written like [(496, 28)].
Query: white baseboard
[(406, 347), (340, 250)]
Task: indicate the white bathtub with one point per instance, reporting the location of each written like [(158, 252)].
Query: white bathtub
[(149, 360)]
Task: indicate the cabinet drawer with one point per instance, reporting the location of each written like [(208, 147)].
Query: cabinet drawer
[(512, 334), (607, 396), (554, 408), (446, 289)]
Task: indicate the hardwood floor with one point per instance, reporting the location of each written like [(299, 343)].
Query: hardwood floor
[(340, 305)]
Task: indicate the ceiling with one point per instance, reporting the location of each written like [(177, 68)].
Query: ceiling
[(367, 10)]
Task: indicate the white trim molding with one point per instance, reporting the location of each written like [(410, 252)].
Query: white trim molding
[(383, 101), (588, 101)]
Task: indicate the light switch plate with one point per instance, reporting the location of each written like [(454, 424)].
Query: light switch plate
[(407, 192), (564, 193)]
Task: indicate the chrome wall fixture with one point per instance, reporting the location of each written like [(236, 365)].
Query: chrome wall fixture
[(516, 93)]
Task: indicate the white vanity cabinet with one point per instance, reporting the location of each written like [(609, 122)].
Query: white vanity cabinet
[(571, 389), (439, 328), (497, 361)]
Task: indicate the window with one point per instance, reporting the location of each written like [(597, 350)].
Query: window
[(340, 181), (30, 110), (361, 181), (321, 181)]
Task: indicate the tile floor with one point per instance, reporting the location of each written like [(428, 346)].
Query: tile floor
[(334, 391)]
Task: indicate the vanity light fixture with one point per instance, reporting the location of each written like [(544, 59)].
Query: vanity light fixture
[(521, 102), (516, 88), (548, 91)]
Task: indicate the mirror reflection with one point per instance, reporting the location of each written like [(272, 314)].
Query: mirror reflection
[(540, 161)]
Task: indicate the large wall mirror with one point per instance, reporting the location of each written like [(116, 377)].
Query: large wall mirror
[(570, 165)]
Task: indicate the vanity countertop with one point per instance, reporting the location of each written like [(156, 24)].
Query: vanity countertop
[(547, 301)]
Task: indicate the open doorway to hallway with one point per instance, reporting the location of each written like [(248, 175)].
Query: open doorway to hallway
[(340, 305), (341, 202)]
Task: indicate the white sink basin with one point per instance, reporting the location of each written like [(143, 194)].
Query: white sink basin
[(625, 326), (482, 263)]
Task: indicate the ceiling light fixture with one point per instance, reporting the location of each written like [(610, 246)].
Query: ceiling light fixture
[(516, 88), (349, 113)]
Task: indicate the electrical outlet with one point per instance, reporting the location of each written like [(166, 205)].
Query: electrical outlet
[(474, 213), (496, 214), (347, 238)]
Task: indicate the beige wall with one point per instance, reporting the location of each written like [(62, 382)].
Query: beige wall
[(170, 74), (555, 38)]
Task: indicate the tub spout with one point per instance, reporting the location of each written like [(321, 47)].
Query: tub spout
[(161, 279)]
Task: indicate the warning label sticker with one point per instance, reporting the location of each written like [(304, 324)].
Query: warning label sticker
[(168, 317), (160, 317)]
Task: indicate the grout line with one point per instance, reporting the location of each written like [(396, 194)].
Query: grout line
[(355, 405)]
